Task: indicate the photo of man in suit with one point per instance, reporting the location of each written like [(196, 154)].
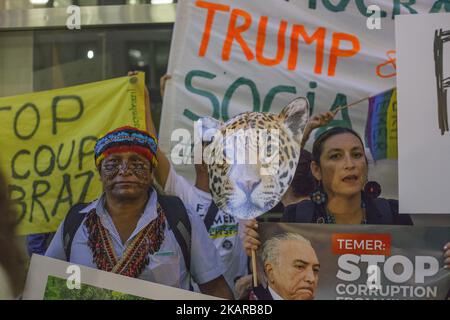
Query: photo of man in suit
[(291, 267)]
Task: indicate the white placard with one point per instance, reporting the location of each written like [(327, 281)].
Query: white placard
[(42, 268), (423, 150)]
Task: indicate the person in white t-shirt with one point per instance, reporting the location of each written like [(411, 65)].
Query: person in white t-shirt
[(223, 228)]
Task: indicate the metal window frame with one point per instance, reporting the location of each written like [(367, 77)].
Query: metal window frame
[(91, 16)]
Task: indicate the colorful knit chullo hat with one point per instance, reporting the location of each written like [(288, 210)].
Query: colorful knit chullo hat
[(126, 139)]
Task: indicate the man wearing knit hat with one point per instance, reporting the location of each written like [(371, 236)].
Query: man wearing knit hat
[(133, 231)]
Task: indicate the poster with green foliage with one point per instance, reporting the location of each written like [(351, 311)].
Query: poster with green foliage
[(52, 279), (57, 289)]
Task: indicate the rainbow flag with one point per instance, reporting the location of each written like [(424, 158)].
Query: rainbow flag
[(381, 125)]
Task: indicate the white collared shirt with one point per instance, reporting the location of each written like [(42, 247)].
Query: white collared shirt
[(166, 266), (274, 295)]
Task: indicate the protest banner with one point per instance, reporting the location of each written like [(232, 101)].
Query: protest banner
[(357, 262), (47, 145), (51, 279), (423, 138), (228, 57)]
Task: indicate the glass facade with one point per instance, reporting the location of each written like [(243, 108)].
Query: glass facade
[(33, 4), (40, 58)]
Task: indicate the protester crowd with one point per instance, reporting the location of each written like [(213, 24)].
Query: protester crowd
[(165, 235)]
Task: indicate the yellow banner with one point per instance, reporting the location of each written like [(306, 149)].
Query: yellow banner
[(47, 145)]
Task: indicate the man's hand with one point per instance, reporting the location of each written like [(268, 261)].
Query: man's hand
[(162, 84), (315, 122), (320, 120), (251, 237)]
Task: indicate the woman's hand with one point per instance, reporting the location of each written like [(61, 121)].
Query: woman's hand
[(251, 237)]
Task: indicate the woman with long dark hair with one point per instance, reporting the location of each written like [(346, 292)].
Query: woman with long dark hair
[(340, 166)]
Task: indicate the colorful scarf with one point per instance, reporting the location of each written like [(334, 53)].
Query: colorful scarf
[(136, 256)]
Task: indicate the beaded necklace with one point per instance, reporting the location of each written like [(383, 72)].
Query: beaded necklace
[(330, 219), (136, 255)]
